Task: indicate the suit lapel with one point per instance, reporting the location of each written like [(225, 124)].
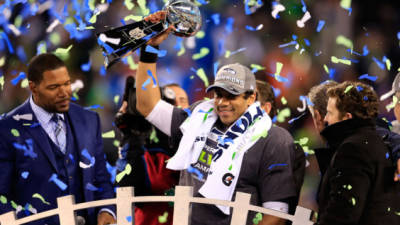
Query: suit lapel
[(39, 136)]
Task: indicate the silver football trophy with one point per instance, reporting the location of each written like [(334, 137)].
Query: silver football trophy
[(184, 15)]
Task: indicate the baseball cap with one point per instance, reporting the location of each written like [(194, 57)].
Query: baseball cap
[(395, 88), (235, 79)]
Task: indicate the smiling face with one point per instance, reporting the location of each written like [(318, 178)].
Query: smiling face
[(230, 107), (53, 92)]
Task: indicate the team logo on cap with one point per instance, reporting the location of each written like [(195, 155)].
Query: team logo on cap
[(231, 71)]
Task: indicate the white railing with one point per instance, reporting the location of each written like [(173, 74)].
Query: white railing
[(182, 199)]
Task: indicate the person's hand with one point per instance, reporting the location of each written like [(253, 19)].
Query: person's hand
[(156, 18), (397, 172), (105, 218)]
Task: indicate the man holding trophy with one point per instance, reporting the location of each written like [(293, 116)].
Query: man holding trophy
[(213, 140)]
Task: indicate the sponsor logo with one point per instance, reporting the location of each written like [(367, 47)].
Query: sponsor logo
[(227, 179)]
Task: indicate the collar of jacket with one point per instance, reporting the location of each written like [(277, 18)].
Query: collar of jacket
[(337, 132)]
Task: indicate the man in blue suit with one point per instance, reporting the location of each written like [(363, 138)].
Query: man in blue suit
[(50, 147)]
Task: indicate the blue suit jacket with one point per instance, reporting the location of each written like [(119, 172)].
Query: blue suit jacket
[(31, 152)]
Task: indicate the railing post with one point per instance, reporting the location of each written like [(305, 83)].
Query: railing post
[(240, 208), (66, 210), (183, 196), (8, 218), (124, 205), (302, 216)]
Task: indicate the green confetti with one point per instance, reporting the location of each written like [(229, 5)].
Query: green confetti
[(109, 134), (388, 64), (93, 19), (143, 9), (201, 34), (348, 187), (346, 4), (263, 134), (3, 199), (326, 69), (344, 61), (200, 72), (397, 213), (92, 4), (279, 66), (258, 67), (25, 83), (342, 40), (43, 47), (55, 38), (206, 114), (36, 195), (18, 21), (283, 114), (13, 204), (163, 218), (182, 50), (353, 201), (307, 150), (302, 141), (75, 95), (63, 53), (2, 82), (116, 143), (129, 5), (131, 63), (257, 218), (15, 132), (283, 100), (348, 88), (3, 60), (233, 155), (153, 136), (227, 54), (230, 167), (133, 17), (127, 171), (116, 99), (203, 52), (392, 104)]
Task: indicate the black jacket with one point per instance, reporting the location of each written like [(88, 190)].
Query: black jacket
[(358, 186)]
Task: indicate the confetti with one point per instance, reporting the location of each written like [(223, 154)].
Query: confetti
[(200, 34), (306, 17), (127, 171), (342, 40), (321, 24), (196, 171), (86, 66), (20, 77), (202, 75), (87, 156), (9, 46), (62, 52), (151, 49), (296, 118), (28, 148), (3, 199), (39, 196), (163, 218), (367, 77), (278, 164), (153, 136), (15, 132), (276, 9), (216, 18), (263, 134), (91, 187), (392, 104), (129, 5), (203, 52), (25, 174), (348, 88), (344, 61), (250, 28), (58, 182), (283, 100), (109, 134), (283, 114)]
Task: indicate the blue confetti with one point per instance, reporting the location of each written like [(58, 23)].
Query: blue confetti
[(398, 35), (365, 50), (20, 77), (102, 71), (304, 8), (86, 66), (332, 73), (5, 37), (366, 76), (34, 125), (152, 77), (195, 171), (129, 218), (25, 174), (187, 110), (21, 54), (387, 155), (359, 88), (294, 37), (28, 148), (215, 18), (307, 42), (91, 187), (278, 164), (279, 78), (86, 154), (160, 53), (296, 118), (216, 64), (229, 25), (353, 52), (277, 91), (146, 83), (108, 49), (247, 7), (58, 182), (94, 107), (178, 43), (321, 24), (379, 63), (71, 157), (112, 170), (287, 44), (365, 98)]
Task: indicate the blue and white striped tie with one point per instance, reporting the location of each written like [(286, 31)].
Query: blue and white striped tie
[(59, 132)]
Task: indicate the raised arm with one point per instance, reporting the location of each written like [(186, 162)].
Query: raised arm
[(147, 98)]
